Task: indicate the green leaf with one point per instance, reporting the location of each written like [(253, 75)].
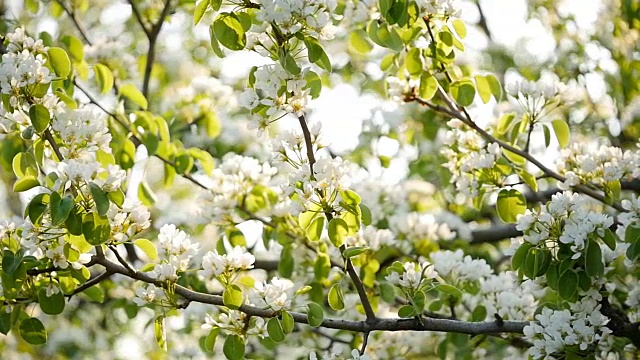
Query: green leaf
[(199, 11), (336, 297), (5, 322), (314, 231), (229, 32), (236, 237), (59, 61), (449, 290), (104, 77), (160, 332), (484, 88), (632, 234), (418, 300), (387, 292), (275, 330), (561, 128), (52, 305), (234, 347), (24, 163), (314, 83), (287, 262), (567, 284), (315, 314), (494, 85), (60, 208), (459, 27), (528, 179), (74, 46), (505, 123), (479, 313), (593, 261), (100, 198), (536, 263), (10, 261), (316, 53), (287, 320), (359, 42), (350, 197), (132, 93), (354, 251), (463, 92), (428, 86), (25, 183), (520, 255), (321, 266), (338, 231), (414, 61), (289, 63), (40, 117), (95, 228), (407, 311), (215, 4), (305, 218), (147, 247), (32, 331), (510, 204), (210, 340), (145, 194), (95, 293), (215, 46), (232, 297)]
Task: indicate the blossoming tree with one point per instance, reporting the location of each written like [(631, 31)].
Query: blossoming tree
[(489, 209)]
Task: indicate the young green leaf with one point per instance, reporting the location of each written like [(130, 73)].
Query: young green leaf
[(229, 32), (32, 331), (561, 129), (336, 297), (275, 330), (232, 297), (104, 77), (199, 11), (315, 314), (59, 61), (147, 247), (314, 231), (593, 264), (51, 305), (233, 347), (338, 231), (463, 92), (510, 204), (40, 117), (132, 93)]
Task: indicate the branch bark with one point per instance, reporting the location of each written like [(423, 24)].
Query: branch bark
[(377, 324)]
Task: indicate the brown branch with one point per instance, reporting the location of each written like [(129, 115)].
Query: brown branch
[(307, 140), (378, 324), (91, 282), (465, 118), (152, 35), (74, 19)]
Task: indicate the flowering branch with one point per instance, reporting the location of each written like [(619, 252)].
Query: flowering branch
[(377, 324), (465, 118)]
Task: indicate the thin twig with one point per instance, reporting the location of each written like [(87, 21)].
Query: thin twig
[(307, 140), (74, 19), (91, 282)]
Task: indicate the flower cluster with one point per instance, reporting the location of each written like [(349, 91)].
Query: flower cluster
[(147, 295), (330, 177), (534, 97), (440, 8), (177, 247), (23, 69), (414, 275), (235, 322), (505, 295), (215, 265), (581, 326), (580, 164), (471, 161), (275, 91), (232, 180), (566, 219), (420, 226), (84, 131), (455, 266), (275, 294), (292, 16)]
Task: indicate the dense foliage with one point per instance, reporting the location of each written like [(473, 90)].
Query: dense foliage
[(155, 190)]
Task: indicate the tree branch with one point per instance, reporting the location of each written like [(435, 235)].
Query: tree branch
[(424, 324), (74, 19), (465, 118)]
